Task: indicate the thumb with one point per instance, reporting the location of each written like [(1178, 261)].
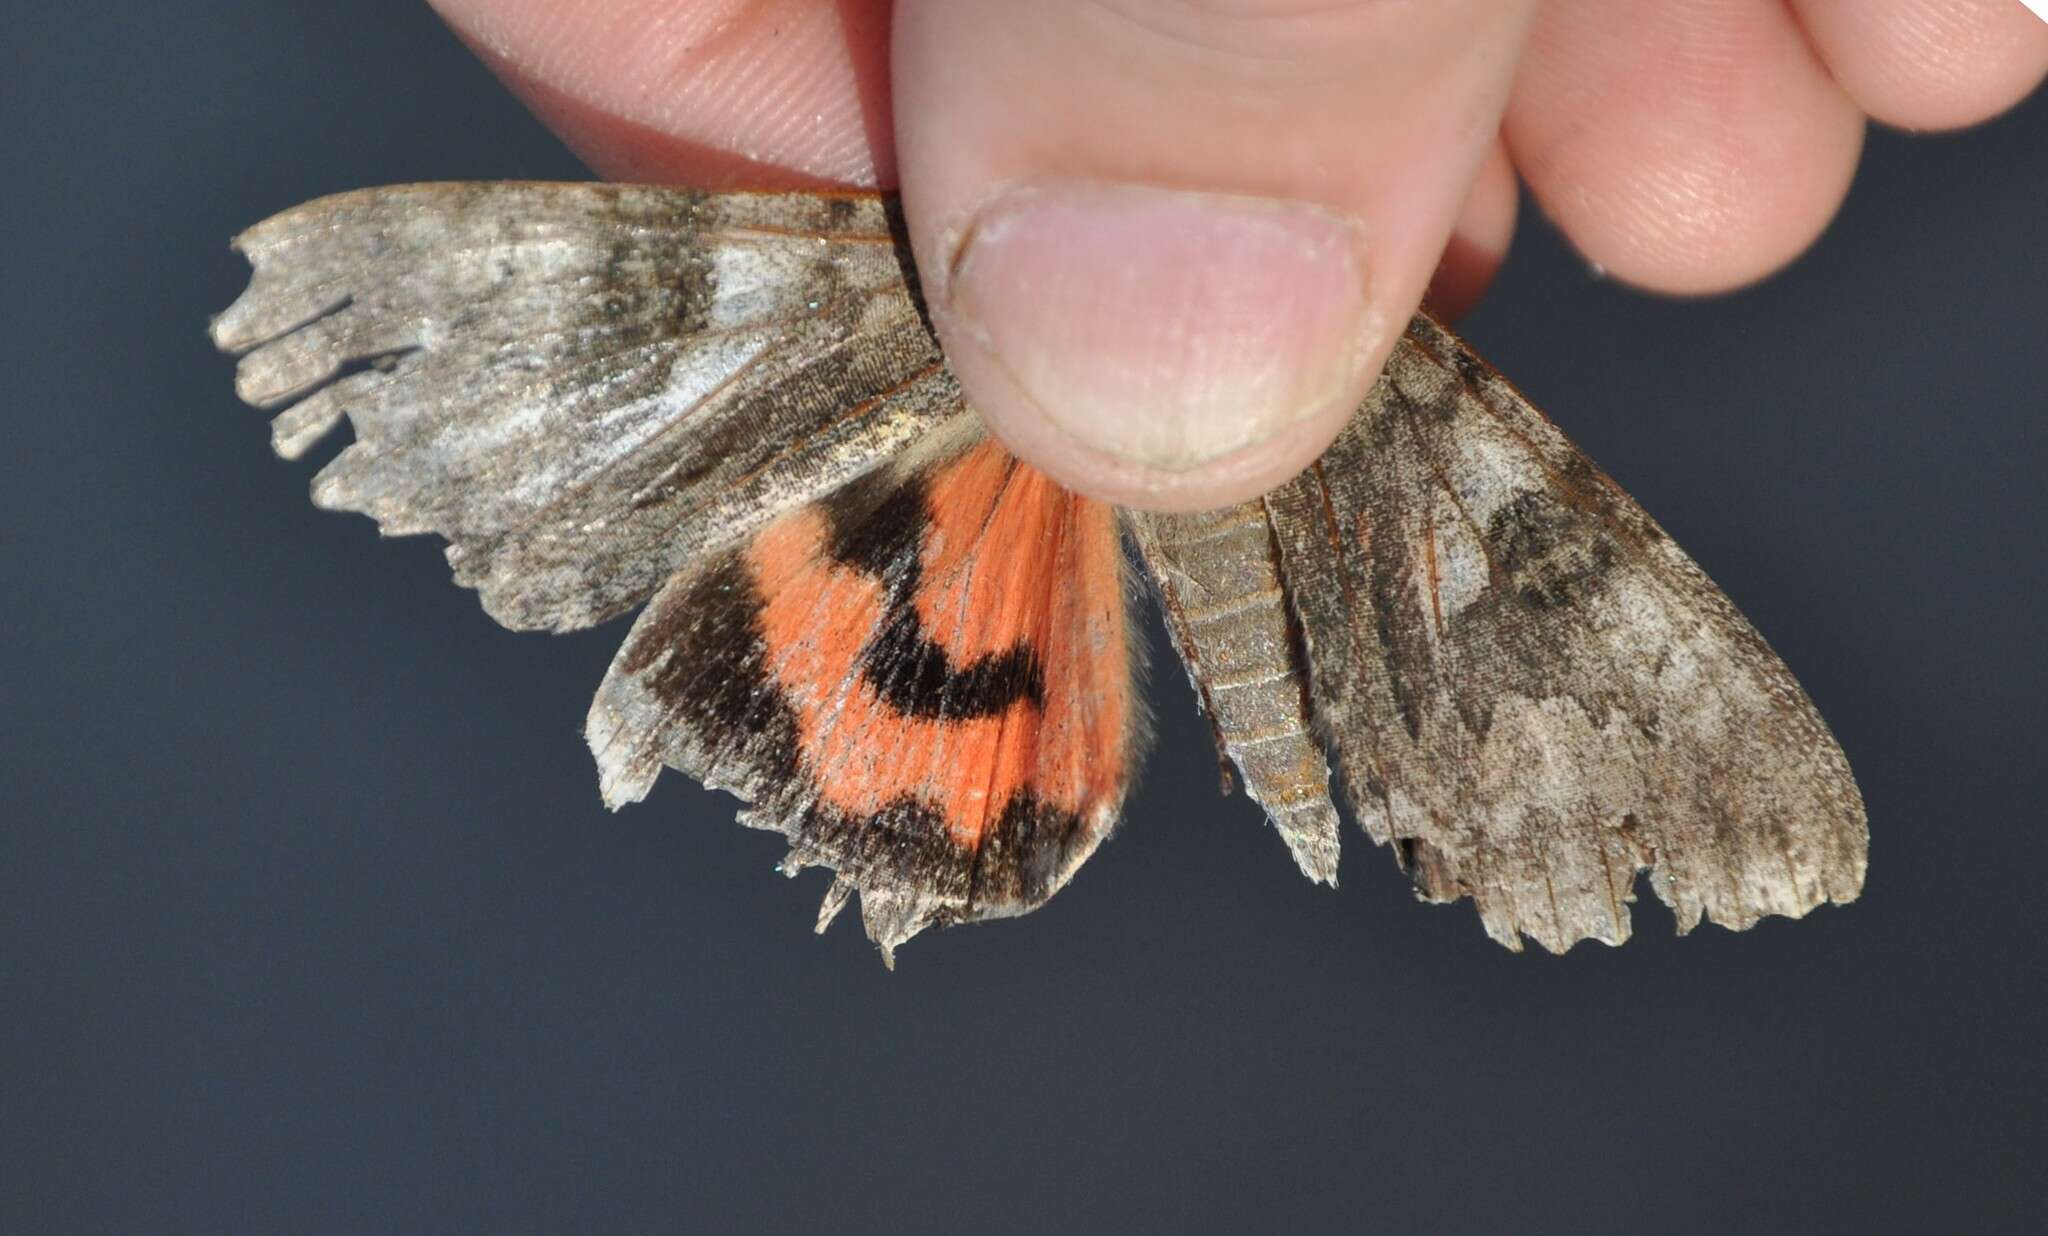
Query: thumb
[(1169, 244)]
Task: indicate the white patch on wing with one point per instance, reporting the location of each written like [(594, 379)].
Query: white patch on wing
[(1462, 574), (1486, 470), (750, 283)]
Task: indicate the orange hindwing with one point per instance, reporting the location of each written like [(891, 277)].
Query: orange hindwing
[(924, 681)]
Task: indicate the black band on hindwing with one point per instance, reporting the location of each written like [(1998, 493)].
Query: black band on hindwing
[(880, 535)]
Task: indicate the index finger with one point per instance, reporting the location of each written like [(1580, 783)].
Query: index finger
[(762, 94)]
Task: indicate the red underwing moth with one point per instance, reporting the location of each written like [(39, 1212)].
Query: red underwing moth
[(911, 654)]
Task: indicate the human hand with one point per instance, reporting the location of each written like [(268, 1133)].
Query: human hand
[(1169, 243)]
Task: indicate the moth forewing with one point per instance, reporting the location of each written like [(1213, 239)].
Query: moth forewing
[(1531, 691), (587, 386)]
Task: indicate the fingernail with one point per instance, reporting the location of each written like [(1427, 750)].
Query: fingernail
[(1164, 329)]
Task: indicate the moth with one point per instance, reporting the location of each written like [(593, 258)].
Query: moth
[(911, 654)]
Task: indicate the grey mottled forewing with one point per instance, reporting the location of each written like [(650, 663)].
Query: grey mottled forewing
[(1530, 691), (582, 386), (1218, 576)]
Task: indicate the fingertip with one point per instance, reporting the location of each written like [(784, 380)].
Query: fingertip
[(623, 150), (1239, 476), (1172, 334), (1712, 218), (1930, 64), (1479, 242), (1237, 209), (1684, 149), (718, 92)]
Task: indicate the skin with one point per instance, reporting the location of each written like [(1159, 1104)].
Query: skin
[(1169, 243)]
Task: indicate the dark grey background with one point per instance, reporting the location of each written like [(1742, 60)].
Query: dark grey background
[(310, 918)]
